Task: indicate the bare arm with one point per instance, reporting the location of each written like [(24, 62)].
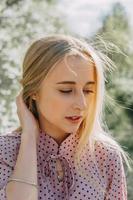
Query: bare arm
[(26, 164), (25, 169)]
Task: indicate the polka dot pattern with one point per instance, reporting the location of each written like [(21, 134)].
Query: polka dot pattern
[(104, 176)]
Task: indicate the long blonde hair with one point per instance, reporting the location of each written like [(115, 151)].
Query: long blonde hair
[(40, 58)]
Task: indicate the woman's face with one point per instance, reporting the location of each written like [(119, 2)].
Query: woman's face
[(57, 100)]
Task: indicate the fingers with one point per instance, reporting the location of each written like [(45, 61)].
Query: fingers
[(19, 98), (20, 102), (20, 95)]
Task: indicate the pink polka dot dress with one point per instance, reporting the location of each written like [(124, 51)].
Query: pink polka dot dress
[(58, 178)]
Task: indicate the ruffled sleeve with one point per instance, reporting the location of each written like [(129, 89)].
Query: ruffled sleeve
[(9, 147)]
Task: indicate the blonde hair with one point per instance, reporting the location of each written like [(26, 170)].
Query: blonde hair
[(40, 58)]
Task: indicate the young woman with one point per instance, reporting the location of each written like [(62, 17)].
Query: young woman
[(61, 150)]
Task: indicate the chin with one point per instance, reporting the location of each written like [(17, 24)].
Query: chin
[(72, 130)]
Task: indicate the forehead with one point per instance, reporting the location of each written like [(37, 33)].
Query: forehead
[(72, 67)]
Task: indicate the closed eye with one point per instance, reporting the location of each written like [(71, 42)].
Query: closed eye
[(69, 91)]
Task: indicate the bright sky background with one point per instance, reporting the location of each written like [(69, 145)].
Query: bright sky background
[(85, 16)]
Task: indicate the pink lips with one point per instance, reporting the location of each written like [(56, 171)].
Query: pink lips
[(76, 119)]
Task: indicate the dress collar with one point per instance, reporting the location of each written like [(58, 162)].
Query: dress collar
[(47, 145)]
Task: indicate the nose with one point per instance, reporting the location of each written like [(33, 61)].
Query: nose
[(80, 102)]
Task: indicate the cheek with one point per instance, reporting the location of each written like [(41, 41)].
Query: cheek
[(52, 105)]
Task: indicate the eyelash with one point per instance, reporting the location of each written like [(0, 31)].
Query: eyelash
[(69, 91)]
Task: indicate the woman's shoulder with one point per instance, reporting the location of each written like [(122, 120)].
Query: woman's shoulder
[(105, 148), (107, 154), (9, 147)]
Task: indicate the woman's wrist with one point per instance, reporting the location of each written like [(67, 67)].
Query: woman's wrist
[(29, 135), (22, 181)]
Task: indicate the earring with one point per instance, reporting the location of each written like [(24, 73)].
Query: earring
[(33, 97)]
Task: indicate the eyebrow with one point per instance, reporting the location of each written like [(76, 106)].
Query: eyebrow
[(72, 82)]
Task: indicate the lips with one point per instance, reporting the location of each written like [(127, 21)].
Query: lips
[(74, 119)]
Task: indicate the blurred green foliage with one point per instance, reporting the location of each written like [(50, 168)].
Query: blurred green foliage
[(22, 21)]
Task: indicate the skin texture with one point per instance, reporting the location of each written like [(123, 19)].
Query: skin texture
[(53, 105), (24, 169)]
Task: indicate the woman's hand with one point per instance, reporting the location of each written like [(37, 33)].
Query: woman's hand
[(27, 120), (26, 164)]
